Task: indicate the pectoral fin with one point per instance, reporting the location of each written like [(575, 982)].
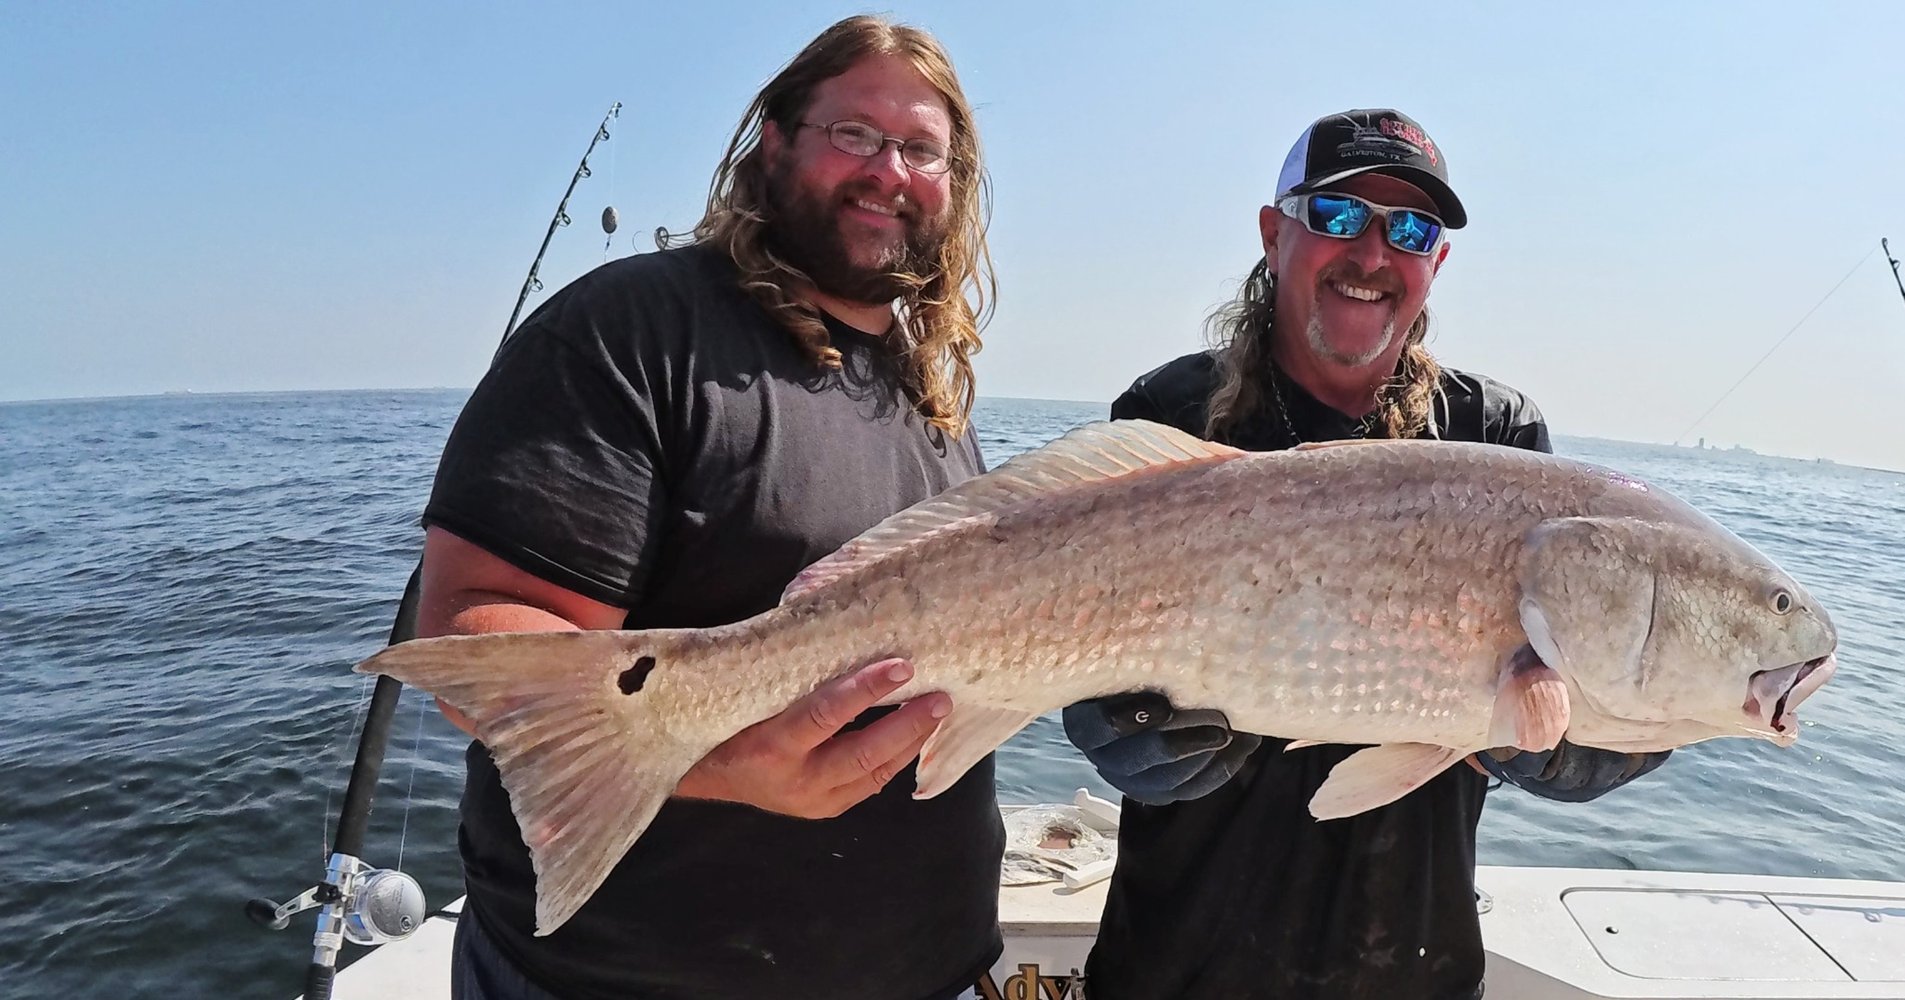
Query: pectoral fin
[(1378, 776), (1531, 704)]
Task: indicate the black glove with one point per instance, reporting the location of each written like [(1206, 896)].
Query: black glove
[(1569, 772), (1155, 752)]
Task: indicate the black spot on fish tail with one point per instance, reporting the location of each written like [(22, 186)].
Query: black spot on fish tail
[(632, 679)]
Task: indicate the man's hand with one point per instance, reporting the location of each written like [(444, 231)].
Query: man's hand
[(799, 763), (1155, 752), (1570, 772)]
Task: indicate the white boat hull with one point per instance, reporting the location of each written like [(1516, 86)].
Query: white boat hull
[(1551, 934)]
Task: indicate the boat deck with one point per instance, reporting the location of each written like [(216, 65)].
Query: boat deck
[(1551, 934)]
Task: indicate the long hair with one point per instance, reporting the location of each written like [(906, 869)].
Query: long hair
[(938, 326), (1240, 332)]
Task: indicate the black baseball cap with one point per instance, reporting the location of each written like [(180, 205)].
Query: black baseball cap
[(1382, 141)]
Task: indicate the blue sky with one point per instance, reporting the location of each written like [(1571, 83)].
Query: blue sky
[(224, 197)]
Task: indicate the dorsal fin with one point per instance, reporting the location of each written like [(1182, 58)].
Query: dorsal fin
[(1314, 445), (1086, 454)]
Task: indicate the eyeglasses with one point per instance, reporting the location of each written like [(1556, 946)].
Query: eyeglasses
[(928, 156), (1345, 216)]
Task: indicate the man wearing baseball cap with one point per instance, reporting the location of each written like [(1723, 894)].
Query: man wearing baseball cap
[(1225, 886)]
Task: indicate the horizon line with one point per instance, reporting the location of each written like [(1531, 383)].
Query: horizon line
[(177, 393)]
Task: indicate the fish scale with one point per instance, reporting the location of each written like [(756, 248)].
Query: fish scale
[(1431, 599)]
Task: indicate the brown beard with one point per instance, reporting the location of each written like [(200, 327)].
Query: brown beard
[(804, 230)]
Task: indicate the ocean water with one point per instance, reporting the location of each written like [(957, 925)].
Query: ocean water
[(186, 580)]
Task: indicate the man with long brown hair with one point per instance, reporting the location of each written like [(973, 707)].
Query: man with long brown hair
[(1225, 886), (667, 442)]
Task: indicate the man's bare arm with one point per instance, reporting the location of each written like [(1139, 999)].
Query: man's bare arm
[(797, 763), (468, 591)]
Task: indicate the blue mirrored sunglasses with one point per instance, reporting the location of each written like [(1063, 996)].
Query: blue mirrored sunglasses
[(1345, 216)]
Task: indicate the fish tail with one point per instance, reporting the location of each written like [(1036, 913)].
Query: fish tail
[(587, 728)]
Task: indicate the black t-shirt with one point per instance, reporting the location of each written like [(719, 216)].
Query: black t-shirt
[(651, 439), (1240, 894)]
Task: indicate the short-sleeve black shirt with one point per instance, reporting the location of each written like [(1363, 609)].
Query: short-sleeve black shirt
[(651, 439), (1241, 894)]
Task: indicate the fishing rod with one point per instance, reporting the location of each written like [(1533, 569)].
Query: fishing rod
[(1894, 262), (1782, 340), (360, 903), (533, 283)]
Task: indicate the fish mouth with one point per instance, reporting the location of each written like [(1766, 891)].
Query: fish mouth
[(1774, 695)]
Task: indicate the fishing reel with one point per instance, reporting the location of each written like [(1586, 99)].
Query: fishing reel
[(365, 905), (360, 904)]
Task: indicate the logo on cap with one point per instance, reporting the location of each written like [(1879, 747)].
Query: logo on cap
[(1388, 139), (1410, 134)]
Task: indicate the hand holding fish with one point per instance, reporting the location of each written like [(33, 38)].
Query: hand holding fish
[(1570, 772), (799, 763), (1156, 752)]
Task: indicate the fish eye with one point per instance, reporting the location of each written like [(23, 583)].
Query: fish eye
[(1782, 602)]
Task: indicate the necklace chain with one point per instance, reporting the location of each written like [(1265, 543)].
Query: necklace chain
[(1276, 393)]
